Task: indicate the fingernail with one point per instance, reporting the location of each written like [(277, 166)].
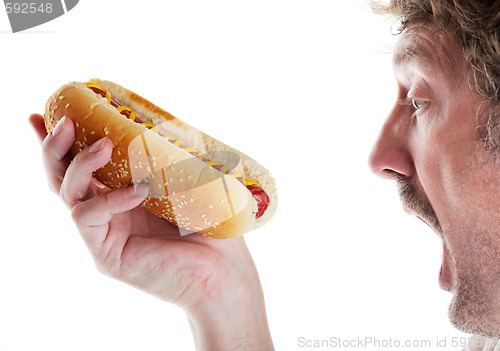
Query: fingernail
[(59, 127), (141, 190), (97, 146)]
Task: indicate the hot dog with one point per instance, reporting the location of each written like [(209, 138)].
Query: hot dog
[(196, 181)]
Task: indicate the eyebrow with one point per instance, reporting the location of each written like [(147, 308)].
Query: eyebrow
[(412, 52)]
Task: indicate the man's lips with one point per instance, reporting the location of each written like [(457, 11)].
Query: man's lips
[(409, 211), (445, 276)]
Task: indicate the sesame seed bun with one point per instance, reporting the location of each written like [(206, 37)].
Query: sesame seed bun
[(184, 190)]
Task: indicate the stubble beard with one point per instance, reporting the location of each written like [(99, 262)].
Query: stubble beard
[(475, 307)]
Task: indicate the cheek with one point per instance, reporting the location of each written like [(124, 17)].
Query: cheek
[(444, 165), (438, 155), (461, 181)]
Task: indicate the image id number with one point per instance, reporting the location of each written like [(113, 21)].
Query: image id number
[(26, 7)]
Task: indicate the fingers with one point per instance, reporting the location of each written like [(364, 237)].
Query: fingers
[(93, 216), (99, 210), (38, 125), (55, 146), (78, 185)]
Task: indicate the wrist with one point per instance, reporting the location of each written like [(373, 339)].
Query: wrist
[(232, 319)]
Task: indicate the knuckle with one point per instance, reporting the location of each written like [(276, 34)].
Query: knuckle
[(54, 186), (63, 194), (108, 198), (76, 213), (102, 268), (107, 266)]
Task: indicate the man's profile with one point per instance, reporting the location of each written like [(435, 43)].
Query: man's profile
[(440, 144)]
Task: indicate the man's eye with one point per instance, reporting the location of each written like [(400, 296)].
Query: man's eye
[(418, 104)]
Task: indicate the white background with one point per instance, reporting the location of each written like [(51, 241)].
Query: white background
[(301, 86)]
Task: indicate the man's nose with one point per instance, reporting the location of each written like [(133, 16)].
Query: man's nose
[(391, 157)]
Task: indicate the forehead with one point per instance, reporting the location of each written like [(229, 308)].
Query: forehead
[(430, 48)]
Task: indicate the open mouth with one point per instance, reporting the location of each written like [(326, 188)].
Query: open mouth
[(445, 276)]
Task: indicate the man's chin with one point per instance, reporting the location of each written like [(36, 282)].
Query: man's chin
[(471, 314)]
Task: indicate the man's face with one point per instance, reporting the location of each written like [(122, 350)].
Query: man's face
[(431, 145)]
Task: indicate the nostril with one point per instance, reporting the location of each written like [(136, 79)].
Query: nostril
[(391, 174), (390, 161)]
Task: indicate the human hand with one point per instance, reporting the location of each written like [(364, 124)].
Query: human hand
[(214, 281)]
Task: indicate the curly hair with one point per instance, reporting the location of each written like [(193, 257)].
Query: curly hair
[(476, 24)]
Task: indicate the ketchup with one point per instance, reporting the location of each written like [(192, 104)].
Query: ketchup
[(261, 197)]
